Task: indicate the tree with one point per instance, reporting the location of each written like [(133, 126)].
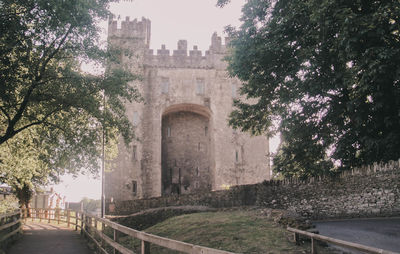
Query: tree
[(53, 115), (328, 72)]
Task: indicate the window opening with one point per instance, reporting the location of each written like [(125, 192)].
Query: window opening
[(168, 131), (134, 188)]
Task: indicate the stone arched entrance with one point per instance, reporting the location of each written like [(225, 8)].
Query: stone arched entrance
[(186, 144)]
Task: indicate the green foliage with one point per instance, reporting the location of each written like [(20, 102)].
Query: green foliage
[(8, 204), (91, 205), (52, 115), (328, 72)]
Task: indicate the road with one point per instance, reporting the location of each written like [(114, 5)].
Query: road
[(378, 233)]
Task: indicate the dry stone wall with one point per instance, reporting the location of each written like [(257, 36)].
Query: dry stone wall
[(372, 191)]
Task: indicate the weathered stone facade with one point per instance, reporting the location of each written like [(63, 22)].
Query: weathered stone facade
[(184, 144), (372, 191)]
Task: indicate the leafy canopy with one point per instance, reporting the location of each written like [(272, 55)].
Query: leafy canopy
[(52, 115), (328, 72)]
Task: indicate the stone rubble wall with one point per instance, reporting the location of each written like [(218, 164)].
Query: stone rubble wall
[(372, 191)]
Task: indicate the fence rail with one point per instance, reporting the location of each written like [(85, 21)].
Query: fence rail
[(346, 244), (94, 229), (10, 225)]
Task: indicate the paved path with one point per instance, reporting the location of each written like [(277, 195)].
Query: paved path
[(378, 233), (43, 238)]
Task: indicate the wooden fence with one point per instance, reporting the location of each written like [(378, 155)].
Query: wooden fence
[(315, 237), (105, 234), (10, 226)]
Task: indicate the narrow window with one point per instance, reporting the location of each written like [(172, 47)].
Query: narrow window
[(199, 146), (199, 86), (205, 131), (237, 156), (164, 85), (234, 91), (197, 171), (168, 131), (134, 152), (134, 188), (135, 118)]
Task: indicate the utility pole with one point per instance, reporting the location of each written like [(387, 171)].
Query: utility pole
[(103, 201)]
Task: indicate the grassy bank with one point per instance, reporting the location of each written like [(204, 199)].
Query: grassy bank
[(240, 231)]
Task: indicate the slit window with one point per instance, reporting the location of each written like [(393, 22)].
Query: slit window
[(134, 188), (236, 156), (168, 131)]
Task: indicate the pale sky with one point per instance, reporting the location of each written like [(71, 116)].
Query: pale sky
[(171, 20)]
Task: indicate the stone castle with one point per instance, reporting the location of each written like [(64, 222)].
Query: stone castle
[(183, 142)]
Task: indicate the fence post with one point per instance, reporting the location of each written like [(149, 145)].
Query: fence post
[(145, 247), (102, 242), (68, 217), (81, 223), (296, 238), (76, 221), (313, 249), (116, 237)]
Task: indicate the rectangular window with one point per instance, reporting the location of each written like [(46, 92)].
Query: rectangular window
[(205, 131), (135, 118), (237, 156), (199, 86), (134, 188), (164, 85)]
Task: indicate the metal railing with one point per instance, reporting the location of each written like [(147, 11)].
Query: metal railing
[(105, 234), (10, 225), (350, 245)]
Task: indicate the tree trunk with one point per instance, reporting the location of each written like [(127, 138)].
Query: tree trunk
[(24, 195)]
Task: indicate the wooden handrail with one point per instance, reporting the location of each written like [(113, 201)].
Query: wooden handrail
[(346, 244), (12, 226), (84, 221), (148, 239)]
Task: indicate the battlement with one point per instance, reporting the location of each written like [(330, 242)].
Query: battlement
[(182, 58), (130, 29)]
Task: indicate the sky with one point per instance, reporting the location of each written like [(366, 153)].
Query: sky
[(171, 20)]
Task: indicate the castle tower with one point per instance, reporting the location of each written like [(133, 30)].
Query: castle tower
[(184, 144)]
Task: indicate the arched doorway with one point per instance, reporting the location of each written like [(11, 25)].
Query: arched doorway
[(186, 144)]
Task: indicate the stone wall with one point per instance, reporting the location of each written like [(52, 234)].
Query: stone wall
[(372, 191)]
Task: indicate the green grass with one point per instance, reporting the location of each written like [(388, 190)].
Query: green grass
[(240, 231)]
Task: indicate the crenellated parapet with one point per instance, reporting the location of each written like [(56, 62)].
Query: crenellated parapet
[(136, 36), (182, 58), (130, 29)]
